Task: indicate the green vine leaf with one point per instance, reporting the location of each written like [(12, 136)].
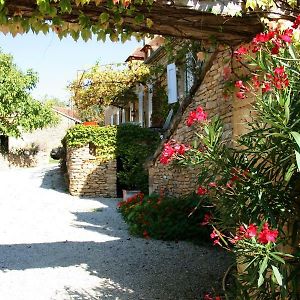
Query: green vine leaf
[(104, 17), (86, 34), (65, 6), (139, 18), (149, 23)]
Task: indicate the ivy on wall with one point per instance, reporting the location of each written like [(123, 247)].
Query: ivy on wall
[(129, 143)]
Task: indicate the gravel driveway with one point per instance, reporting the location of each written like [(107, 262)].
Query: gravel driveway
[(55, 246)]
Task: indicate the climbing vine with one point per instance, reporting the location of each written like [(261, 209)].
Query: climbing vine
[(102, 86)]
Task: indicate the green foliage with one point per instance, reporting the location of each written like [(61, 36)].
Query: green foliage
[(18, 111), (131, 144), (104, 138), (134, 146), (164, 218)]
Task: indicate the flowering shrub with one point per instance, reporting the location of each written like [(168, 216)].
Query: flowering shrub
[(257, 181), (165, 218), (263, 273)]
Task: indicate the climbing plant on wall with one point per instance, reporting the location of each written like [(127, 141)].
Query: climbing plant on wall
[(108, 85)]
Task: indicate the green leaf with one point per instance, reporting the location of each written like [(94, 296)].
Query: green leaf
[(277, 275), (289, 173), (86, 34), (278, 258), (251, 4), (263, 265), (297, 159), (65, 6), (260, 280), (101, 36), (44, 6), (296, 136), (149, 23), (139, 18), (104, 17)]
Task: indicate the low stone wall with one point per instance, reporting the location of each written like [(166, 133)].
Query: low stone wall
[(88, 176)]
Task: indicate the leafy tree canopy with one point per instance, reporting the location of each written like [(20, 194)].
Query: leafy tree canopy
[(18, 110), (108, 85)]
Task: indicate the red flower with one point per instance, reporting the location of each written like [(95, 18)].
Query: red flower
[(241, 95), (255, 81), (296, 22), (197, 115), (266, 87), (214, 235), (241, 51), (202, 191), (146, 234), (267, 235), (251, 231), (208, 297), (212, 184), (206, 219)]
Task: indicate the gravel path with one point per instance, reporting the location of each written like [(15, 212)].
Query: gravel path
[(55, 246)]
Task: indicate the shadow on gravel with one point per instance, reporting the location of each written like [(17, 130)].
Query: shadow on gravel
[(127, 270), (53, 179)]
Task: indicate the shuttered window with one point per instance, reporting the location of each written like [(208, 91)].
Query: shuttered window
[(172, 83)]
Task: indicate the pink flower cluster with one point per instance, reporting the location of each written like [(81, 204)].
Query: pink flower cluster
[(264, 236), (171, 149), (197, 115), (210, 297), (278, 39), (278, 80)]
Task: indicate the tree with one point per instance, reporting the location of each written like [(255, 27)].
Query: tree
[(18, 110)]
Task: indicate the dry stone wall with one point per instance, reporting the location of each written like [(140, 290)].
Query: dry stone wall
[(179, 181), (88, 176)]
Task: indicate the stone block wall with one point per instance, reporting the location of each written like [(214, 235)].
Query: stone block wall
[(88, 176), (180, 181)]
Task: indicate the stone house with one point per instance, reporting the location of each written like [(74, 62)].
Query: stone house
[(208, 93), (34, 148), (153, 107)]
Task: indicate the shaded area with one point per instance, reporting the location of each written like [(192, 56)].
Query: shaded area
[(149, 274), (53, 179)]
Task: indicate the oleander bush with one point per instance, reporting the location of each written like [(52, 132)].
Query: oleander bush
[(165, 218)]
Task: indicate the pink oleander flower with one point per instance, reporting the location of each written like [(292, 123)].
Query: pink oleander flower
[(202, 191), (251, 231), (241, 51), (207, 218), (267, 235), (197, 115)]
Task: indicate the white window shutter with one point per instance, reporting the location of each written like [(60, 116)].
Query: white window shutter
[(150, 96), (112, 120), (172, 83), (118, 117), (123, 116), (141, 107)]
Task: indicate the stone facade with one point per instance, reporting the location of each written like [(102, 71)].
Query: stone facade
[(179, 181), (88, 176)]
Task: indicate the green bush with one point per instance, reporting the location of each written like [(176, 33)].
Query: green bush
[(165, 218)]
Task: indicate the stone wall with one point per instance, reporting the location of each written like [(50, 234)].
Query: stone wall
[(88, 176), (180, 181)]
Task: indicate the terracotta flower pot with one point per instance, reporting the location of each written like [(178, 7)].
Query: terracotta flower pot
[(90, 123)]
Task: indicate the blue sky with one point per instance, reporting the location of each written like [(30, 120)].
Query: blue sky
[(57, 61)]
